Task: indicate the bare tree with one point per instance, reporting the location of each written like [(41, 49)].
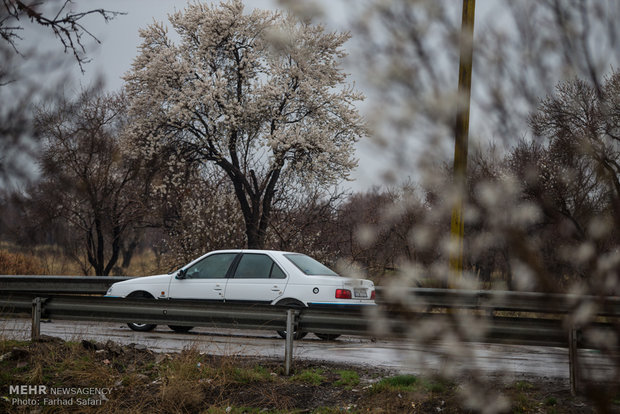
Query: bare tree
[(257, 96), (20, 69), (87, 180), (370, 230), (578, 180), (584, 119), (17, 138), (59, 18), (304, 220)]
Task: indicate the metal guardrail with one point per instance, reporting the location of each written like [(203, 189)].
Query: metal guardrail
[(548, 328), (187, 312), (494, 300), (478, 299), (427, 297), (79, 285), (160, 312)]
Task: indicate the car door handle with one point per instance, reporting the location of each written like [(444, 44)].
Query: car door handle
[(275, 289), (217, 287)]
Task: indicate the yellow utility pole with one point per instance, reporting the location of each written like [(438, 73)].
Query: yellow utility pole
[(462, 135)]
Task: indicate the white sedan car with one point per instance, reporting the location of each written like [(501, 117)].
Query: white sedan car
[(254, 276)]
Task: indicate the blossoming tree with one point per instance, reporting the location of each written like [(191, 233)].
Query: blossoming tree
[(259, 96)]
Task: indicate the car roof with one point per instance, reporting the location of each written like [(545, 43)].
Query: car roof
[(251, 251)]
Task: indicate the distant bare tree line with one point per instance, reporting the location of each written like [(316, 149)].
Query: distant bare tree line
[(99, 201), (98, 196)]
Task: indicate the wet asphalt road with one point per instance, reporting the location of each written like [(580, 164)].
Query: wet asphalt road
[(510, 362)]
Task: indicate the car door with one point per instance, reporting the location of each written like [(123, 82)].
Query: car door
[(256, 278), (205, 279)]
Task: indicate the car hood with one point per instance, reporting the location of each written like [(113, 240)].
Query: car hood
[(151, 284), (145, 279)]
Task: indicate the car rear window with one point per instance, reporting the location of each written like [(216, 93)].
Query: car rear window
[(258, 266), (310, 266)]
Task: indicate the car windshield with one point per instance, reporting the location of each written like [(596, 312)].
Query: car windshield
[(310, 266)]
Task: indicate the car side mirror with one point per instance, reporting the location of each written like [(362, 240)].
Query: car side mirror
[(181, 274)]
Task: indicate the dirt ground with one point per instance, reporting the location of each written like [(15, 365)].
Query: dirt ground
[(110, 378)]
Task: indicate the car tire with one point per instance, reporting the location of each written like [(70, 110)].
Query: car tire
[(327, 337), (180, 329), (141, 327), (295, 304), (296, 334)]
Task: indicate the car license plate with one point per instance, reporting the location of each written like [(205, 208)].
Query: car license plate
[(360, 293)]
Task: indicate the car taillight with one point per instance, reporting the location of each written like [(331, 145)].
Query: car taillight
[(372, 295), (343, 294)]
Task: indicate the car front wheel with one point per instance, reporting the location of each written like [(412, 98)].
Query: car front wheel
[(141, 327), (136, 326)]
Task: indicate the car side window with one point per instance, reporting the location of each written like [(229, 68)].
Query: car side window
[(276, 272), (257, 266), (212, 267)]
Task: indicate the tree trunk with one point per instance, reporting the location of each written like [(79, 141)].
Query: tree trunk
[(255, 241), (128, 253), (96, 249), (258, 219)]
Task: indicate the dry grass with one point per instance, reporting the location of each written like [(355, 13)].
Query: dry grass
[(193, 382), (19, 264), (52, 260), (145, 263), (182, 380)]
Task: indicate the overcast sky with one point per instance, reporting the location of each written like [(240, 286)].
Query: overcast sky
[(120, 39)]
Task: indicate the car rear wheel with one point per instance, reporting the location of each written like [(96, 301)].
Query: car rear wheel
[(296, 334), (295, 304), (136, 326), (180, 329), (327, 337)]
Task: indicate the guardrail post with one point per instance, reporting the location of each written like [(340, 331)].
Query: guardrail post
[(36, 319), (288, 349), (572, 360)]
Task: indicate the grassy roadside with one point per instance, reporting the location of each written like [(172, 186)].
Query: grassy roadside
[(136, 380), (51, 260)]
